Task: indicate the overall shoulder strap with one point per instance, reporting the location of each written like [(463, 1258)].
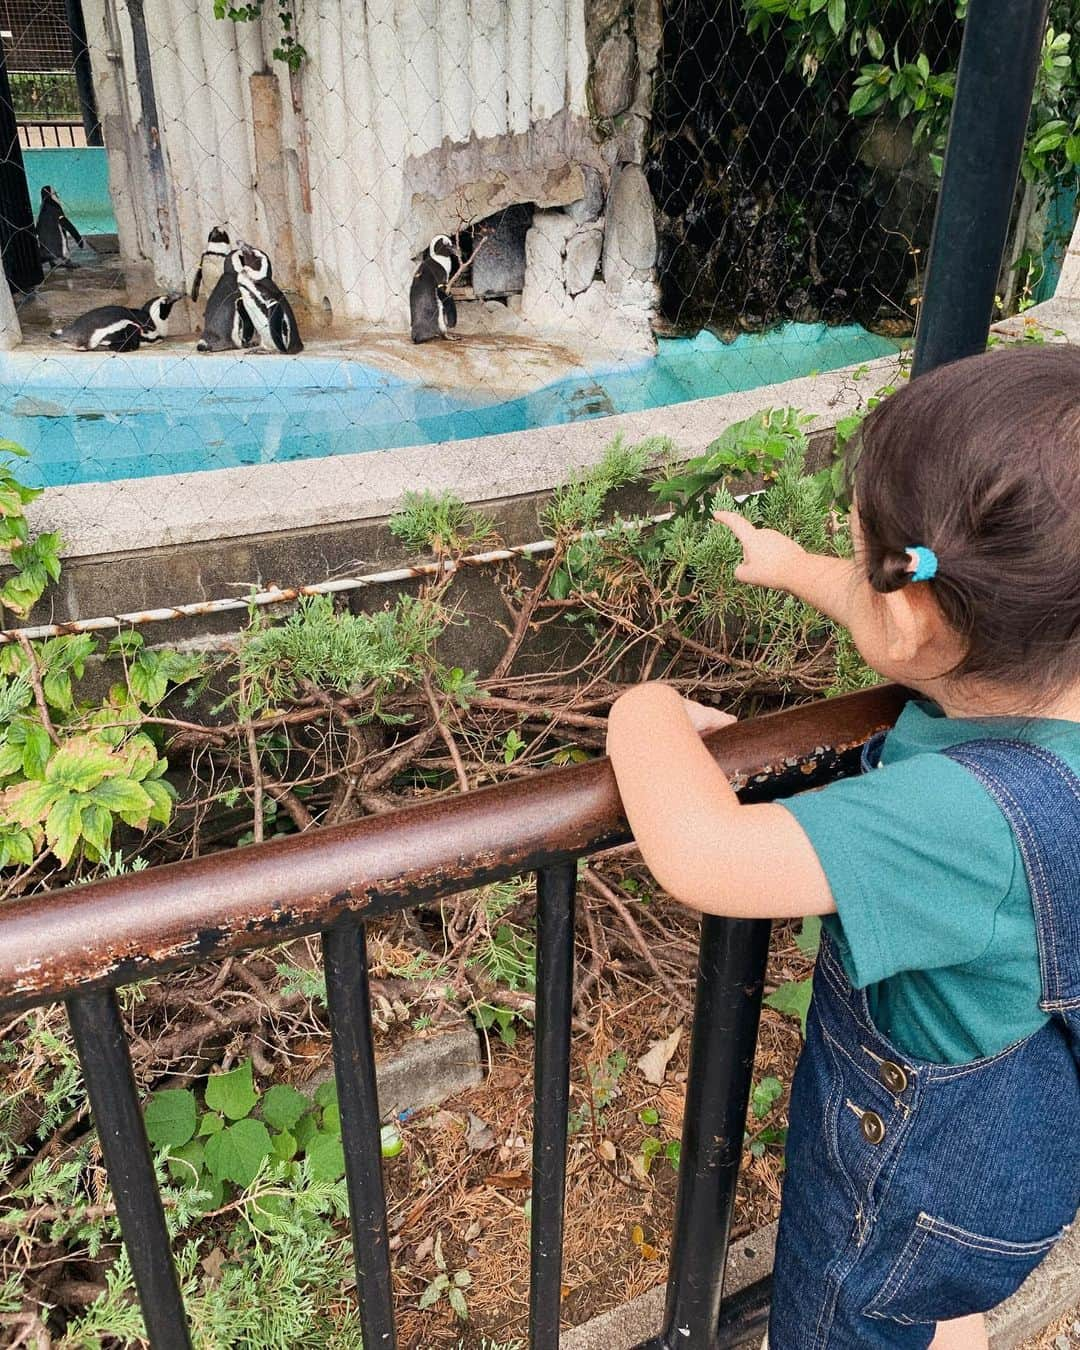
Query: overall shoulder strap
[(1039, 795)]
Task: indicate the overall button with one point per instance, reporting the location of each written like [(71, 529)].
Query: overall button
[(873, 1127), (893, 1076)]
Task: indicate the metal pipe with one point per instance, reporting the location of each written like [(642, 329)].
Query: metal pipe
[(998, 59), (551, 1097), (110, 1085), (348, 1001), (132, 927), (84, 78), (278, 595), (731, 975)]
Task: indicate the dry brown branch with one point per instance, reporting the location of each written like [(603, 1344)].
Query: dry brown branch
[(33, 673)]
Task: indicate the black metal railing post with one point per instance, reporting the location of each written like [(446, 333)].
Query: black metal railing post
[(731, 974), (114, 1101), (551, 1096), (18, 237), (348, 1001), (998, 60), (84, 79)]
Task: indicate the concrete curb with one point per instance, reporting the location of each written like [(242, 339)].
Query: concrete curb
[(1048, 1292), (425, 1071)]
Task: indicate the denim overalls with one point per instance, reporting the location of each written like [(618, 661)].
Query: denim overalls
[(918, 1192)]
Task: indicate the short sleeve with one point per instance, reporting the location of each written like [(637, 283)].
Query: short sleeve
[(919, 859)]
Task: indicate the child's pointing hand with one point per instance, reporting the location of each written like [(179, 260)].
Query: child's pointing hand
[(769, 557)]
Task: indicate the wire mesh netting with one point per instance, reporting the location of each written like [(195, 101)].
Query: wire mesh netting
[(644, 205)]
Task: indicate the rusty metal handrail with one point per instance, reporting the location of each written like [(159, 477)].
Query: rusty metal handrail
[(128, 928)]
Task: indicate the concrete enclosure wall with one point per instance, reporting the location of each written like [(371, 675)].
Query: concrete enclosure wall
[(406, 118)]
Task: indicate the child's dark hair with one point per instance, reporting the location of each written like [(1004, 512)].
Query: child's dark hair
[(980, 461)]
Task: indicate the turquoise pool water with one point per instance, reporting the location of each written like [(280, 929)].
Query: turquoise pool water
[(96, 417), (81, 177)]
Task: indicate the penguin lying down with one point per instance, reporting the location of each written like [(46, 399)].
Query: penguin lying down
[(116, 328)]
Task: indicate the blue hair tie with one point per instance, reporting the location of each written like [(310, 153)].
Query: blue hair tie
[(925, 560)]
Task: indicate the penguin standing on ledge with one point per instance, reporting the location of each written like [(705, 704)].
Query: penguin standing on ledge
[(54, 230), (226, 325), (212, 263), (264, 302), (116, 328), (431, 306)]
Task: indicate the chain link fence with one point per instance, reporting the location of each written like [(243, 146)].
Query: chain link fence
[(650, 203)]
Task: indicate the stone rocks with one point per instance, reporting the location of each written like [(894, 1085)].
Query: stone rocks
[(614, 76), (583, 252), (630, 237), (544, 301), (649, 30), (591, 205), (602, 15)]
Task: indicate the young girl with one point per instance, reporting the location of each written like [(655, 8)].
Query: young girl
[(934, 1147)]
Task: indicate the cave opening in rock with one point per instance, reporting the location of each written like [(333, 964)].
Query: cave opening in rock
[(496, 245)]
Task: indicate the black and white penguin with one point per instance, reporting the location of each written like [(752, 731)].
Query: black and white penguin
[(54, 231), (431, 306), (226, 324), (118, 329), (212, 263), (264, 301)]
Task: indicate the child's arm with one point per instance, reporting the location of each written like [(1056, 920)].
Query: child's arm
[(772, 559), (702, 845)]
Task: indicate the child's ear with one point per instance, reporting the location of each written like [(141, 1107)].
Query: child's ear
[(912, 621)]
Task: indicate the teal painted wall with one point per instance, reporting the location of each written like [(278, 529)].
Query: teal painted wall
[(81, 177)]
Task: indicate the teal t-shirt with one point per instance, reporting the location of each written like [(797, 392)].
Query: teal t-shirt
[(934, 916)]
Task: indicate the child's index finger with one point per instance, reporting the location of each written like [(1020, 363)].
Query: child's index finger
[(739, 526)]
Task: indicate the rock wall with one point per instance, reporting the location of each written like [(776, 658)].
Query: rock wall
[(407, 118)]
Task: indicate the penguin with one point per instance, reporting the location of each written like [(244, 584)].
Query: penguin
[(54, 230), (118, 329), (431, 306), (226, 324), (212, 263), (264, 302)]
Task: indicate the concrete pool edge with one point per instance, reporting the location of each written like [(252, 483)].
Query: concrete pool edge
[(137, 514)]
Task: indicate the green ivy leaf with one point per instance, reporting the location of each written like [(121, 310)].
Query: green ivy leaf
[(186, 1164), (793, 1000), (326, 1158), (211, 1123), (97, 828), (170, 1117), (764, 1096), (161, 796), (837, 15), (284, 1145), (124, 798), (63, 826), (307, 1127), (283, 1106), (237, 1153), (331, 1121), (37, 747), (80, 764), (233, 1093), (326, 1093)]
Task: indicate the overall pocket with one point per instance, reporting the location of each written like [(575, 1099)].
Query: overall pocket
[(944, 1271)]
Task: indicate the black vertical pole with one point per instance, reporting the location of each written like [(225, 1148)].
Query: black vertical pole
[(348, 1001), (731, 974), (110, 1085), (998, 60), (18, 239), (84, 80), (555, 889)]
